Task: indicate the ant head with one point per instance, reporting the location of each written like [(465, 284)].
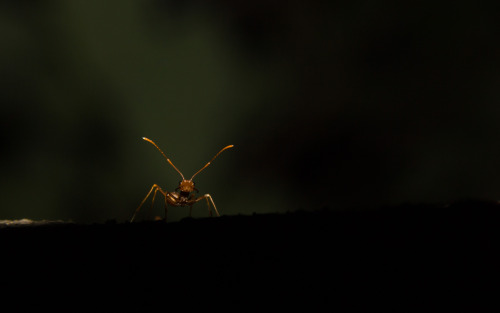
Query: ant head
[(186, 185)]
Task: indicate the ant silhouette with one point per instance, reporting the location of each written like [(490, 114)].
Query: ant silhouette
[(183, 195)]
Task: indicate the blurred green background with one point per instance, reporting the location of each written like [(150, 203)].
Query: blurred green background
[(329, 104)]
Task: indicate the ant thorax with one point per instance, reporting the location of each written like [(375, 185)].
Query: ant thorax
[(179, 197)]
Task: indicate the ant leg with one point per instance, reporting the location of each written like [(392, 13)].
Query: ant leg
[(207, 196), (209, 209), (192, 200), (166, 207), (156, 188), (153, 202)]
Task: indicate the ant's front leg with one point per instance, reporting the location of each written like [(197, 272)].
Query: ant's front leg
[(192, 201), (156, 188), (207, 197)]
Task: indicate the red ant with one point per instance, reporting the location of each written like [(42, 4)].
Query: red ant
[(183, 195)]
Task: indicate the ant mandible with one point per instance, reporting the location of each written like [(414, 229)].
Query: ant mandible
[(183, 195)]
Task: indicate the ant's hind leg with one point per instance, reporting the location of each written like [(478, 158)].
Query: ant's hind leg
[(154, 187)]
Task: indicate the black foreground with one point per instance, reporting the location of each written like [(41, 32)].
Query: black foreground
[(403, 257)]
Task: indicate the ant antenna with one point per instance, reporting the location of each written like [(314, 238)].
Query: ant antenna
[(168, 160), (230, 146)]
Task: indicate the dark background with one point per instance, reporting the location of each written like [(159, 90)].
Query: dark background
[(329, 104)]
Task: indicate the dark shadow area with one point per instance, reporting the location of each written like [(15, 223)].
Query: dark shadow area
[(409, 256)]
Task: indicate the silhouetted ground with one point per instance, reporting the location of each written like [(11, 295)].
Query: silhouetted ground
[(407, 256)]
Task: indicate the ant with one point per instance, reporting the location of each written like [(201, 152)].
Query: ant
[(183, 195)]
